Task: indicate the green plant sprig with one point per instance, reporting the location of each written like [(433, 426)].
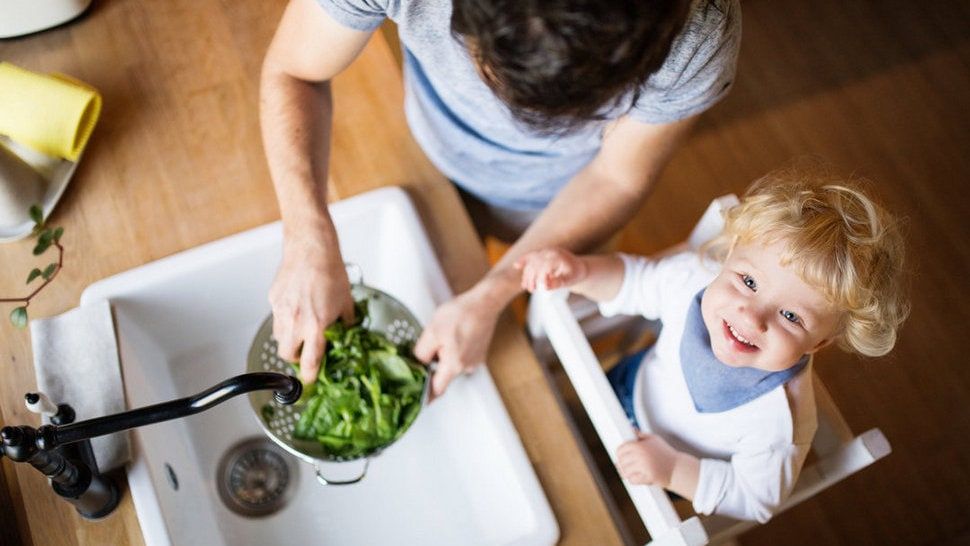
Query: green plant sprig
[(46, 238)]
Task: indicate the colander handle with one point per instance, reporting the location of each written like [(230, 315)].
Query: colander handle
[(354, 273), (324, 481)]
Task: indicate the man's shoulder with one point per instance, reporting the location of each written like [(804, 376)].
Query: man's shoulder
[(700, 67), (711, 24), (717, 8), (713, 14)]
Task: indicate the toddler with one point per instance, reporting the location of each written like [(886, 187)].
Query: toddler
[(726, 391)]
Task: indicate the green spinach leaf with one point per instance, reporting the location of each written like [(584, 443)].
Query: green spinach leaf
[(368, 391)]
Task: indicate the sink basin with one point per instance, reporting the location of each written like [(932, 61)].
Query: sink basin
[(459, 476)]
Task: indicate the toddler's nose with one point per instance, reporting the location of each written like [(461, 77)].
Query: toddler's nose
[(754, 318)]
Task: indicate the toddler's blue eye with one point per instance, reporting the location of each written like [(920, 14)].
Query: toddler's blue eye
[(789, 316), (749, 282)]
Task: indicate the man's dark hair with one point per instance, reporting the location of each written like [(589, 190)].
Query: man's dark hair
[(559, 63)]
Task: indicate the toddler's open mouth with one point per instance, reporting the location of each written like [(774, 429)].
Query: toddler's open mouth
[(738, 342)]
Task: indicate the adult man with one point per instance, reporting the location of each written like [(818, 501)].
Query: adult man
[(552, 117)]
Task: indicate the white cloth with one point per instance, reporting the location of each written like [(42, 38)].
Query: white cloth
[(750, 455), (76, 363)]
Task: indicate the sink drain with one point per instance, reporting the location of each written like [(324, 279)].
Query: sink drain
[(256, 477)]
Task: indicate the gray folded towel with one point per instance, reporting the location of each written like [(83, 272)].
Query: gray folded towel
[(76, 362)]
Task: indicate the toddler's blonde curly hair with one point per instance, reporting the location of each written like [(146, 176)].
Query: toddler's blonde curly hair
[(839, 241)]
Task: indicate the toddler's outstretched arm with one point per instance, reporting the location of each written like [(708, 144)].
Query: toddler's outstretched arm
[(598, 277)]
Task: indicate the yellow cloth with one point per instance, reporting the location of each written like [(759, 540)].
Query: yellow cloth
[(53, 114)]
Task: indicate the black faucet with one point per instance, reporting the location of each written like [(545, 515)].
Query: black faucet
[(62, 451)]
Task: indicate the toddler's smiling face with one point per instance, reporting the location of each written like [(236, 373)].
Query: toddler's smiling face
[(761, 314)]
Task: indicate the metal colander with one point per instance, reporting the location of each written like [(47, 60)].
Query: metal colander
[(385, 314)]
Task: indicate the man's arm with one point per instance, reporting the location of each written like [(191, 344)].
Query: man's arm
[(593, 206), (311, 288), (601, 198)]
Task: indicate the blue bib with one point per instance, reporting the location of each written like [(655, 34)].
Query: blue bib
[(713, 385)]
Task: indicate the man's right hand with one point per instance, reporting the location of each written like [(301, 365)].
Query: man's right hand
[(311, 289), (310, 292)]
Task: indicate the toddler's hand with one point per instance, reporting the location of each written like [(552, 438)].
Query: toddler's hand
[(648, 460), (554, 266)]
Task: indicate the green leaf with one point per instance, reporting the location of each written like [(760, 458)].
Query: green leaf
[(393, 366), (19, 317), (43, 242), (410, 414), (367, 393), (41, 248), (309, 391), (37, 215), (57, 234), (48, 271), (34, 273)]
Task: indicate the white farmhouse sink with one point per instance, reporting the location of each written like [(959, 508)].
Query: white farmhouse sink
[(459, 476)]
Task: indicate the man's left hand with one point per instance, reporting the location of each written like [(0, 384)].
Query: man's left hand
[(458, 336)]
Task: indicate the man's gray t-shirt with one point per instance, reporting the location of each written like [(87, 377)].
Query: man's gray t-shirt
[(472, 137)]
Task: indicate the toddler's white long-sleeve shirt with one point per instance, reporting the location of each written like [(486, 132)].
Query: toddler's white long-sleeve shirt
[(750, 455)]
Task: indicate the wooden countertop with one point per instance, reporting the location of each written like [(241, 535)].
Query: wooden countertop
[(176, 161)]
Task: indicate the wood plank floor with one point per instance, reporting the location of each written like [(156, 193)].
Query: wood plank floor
[(879, 89)]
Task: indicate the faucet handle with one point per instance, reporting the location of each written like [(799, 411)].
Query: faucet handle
[(38, 402), (60, 414)]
